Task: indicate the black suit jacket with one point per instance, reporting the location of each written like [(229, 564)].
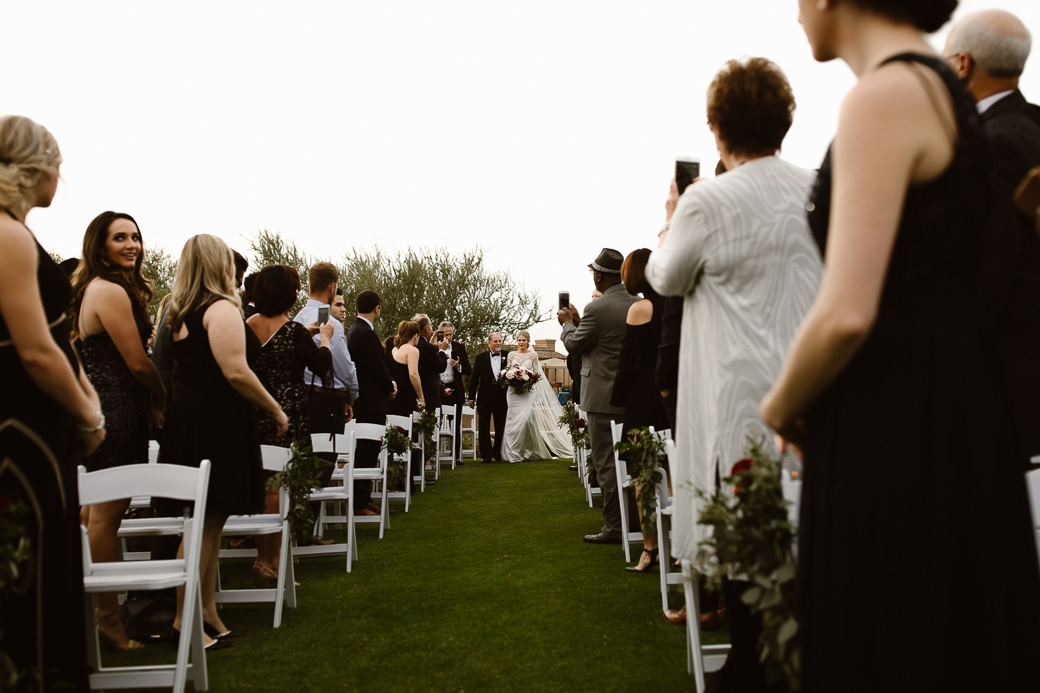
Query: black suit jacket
[(432, 362), (1012, 126), (374, 381), (483, 380), (458, 386)]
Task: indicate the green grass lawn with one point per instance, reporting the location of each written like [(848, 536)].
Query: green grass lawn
[(485, 585)]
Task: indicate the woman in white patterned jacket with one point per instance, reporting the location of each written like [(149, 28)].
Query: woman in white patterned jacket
[(739, 249)]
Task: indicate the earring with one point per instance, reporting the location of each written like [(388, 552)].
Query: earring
[(821, 5)]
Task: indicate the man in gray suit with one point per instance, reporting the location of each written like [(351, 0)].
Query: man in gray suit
[(596, 336)]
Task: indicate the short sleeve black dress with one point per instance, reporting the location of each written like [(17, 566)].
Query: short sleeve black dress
[(917, 561), (210, 420), (44, 627), (124, 400)]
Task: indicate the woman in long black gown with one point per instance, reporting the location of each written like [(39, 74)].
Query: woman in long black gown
[(212, 416), (635, 385), (403, 360), (44, 399), (914, 497)]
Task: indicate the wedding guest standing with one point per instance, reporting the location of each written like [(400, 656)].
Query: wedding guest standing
[(109, 312), (46, 403), (403, 360), (375, 389), (635, 387), (286, 350), (212, 417), (738, 249), (489, 398), (597, 336), (452, 379), (432, 362), (904, 465)]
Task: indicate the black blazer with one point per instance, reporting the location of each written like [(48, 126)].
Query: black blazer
[(432, 362), (374, 381), (483, 380), (458, 386), (1012, 126)]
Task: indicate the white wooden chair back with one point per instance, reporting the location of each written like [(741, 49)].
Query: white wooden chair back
[(471, 428), (623, 482), (449, 412), (404, 422), (375, 432), (342, 496)]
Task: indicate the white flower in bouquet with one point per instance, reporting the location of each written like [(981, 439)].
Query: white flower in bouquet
[(526, 376)]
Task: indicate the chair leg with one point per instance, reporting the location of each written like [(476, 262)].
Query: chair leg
[(93, 646), (665, 557), (694, 657), (624, 523), (289, 568)]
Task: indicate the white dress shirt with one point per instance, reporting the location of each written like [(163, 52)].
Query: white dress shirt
[(496, 363), (344, 375), (448, 376), (987, 102)]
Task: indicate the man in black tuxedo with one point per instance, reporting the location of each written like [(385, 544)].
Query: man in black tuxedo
[(988, 51), (489, 397), (451, 379), (375, 387), (432, 362)]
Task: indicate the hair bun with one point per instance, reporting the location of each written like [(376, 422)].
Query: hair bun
[(926, 15)]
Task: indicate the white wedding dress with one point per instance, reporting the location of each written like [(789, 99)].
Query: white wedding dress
[(532, 429)]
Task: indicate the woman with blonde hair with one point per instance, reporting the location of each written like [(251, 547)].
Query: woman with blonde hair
[(45, 400), (212, 416), (110, 321), (532, 430)]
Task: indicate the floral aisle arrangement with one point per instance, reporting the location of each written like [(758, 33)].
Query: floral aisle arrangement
[(643, 449), (301, 476), (397, 442), (426, 423), (519, 379), (579, 435), (753, 537)]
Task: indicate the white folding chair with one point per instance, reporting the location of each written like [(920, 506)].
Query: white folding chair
[(404, 422), (699, 658), (421, 479), (275, 460), (141, 502), (377, 475), (624, 481), (471, 429), (342, 496), (164, 481), (1033, 482), (446, 429), (664, 538)]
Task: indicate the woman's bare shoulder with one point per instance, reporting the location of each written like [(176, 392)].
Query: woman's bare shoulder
[(640, 312)]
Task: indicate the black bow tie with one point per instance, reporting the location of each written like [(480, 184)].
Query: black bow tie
[(495, 356)]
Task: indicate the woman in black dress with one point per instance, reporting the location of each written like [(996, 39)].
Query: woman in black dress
[(110, 321), (914, 497), (287, 349), (212, 416), (403, 360), (45, 398), (635, 385)]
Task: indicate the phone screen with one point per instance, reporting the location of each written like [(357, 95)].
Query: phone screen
[(323, 315), (440, 335), (565, 299), (687, 168)]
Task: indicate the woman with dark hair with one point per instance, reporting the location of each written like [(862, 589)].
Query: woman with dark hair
[(110, 319), (403, 360), (738, 249), (287, 349), (634, 385), (47, 406), (896, 351)]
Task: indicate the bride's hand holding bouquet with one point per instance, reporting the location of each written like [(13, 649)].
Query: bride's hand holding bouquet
[(518, 379)]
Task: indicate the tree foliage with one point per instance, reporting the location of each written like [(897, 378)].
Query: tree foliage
[(160, 268), (446, 285)]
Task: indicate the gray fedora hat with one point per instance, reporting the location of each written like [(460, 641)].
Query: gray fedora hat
[(608, 261)]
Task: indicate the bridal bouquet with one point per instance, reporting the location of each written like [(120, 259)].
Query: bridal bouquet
[(518, 378)]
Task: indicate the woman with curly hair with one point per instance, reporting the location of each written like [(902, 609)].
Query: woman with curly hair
[(738, 249), (914, 493), (110, 321)]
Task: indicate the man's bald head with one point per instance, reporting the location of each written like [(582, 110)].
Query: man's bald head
[(997, 41)]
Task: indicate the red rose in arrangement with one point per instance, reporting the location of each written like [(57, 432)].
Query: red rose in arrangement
[(581, 423), (743, 465), (402, 429)]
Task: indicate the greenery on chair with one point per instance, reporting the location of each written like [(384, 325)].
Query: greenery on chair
[(301, 476), (643, 449), (397, 442)]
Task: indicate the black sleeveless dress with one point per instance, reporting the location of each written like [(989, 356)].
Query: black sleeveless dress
[(210, 420), (43, 626), (917, 561), (124, 400), (403, 404)]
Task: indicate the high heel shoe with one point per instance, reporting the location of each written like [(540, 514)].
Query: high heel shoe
[(264, 578), (214, 643), (654, 560), (110, 620), (676, 618)]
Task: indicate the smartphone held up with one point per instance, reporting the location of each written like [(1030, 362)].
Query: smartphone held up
[(323, 314), (687, 170), (564, 300)]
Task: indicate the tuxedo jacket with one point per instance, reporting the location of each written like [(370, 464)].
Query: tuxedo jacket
[(1012, 126), (482, 383), (373, 376), (432, 362), (458, 386)]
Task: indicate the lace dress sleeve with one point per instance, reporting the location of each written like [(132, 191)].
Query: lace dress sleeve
[(317, 359)]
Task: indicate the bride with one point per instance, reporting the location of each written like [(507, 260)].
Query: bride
[(532, 430)]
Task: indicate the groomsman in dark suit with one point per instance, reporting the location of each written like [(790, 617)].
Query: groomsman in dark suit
[(432, 362), (375, 387), (489, 397), (451, 379)]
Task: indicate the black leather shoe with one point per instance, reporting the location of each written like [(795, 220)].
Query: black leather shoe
[(573, 467), (458, 463), (601, 538)]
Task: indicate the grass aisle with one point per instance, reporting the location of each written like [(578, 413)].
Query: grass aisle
[(485, 585)]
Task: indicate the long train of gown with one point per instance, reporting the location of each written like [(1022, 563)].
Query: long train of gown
[(532, 430)]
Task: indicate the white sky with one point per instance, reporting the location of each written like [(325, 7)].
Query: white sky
[(542, 130)]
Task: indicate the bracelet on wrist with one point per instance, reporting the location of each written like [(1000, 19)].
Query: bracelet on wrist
[(95, 429)]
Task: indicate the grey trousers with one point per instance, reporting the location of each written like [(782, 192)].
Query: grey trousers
[(603, 461)]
